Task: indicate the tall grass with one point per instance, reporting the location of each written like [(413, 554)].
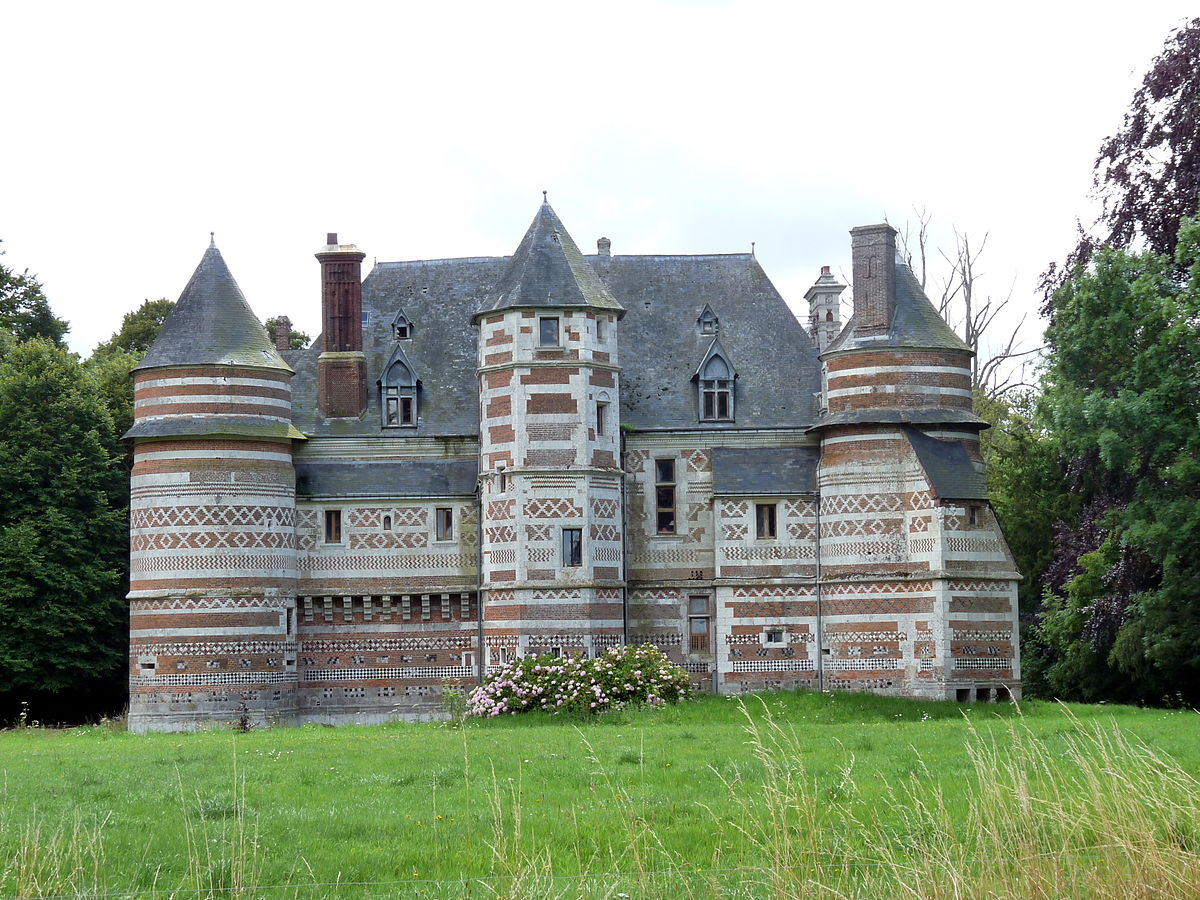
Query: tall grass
[(1050, 808)]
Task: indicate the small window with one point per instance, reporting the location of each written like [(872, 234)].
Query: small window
[(764, 520), (601, 329), (572, 547), (387, 523), (503, 486), (664, 496), (716, 391), (699, 621), (973, 515), (333, 526), (444, 523), (403, 331), (548, 331), (774, 636), (601, 419)]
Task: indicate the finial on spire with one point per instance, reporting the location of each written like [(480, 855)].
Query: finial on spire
[(544, 200), (212, 239)]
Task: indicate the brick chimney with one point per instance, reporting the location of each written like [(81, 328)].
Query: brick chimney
[(341, 367), (283, 333), (873, 250), (604, 247)]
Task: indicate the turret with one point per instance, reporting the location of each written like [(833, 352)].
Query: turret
[(824, 309), (549, 451), (212, 517)]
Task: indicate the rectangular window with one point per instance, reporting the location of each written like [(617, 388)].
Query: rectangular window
[(399, 406), (764, 520), (548, 331), (601, 322), (601, 417), (716, 399), (444, 523), (333, 526), (774, 636), (664, 496), (572, 547), (698, 623)]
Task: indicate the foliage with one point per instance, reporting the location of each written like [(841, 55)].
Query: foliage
[(1121, 402), (138, 329), (63, 530), (24, 310), (1147, 174), (622, 676), (298, 341)]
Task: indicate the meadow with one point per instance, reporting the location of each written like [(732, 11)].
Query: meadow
[(782, 795)]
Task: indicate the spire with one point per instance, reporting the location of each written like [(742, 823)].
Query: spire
[(212, 324), (548, 270)]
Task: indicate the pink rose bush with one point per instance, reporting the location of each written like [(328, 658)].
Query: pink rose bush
[(623, 676)]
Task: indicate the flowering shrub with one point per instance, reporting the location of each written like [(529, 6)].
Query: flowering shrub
[(623, 675)]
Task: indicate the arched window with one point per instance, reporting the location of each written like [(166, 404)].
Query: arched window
[(399, 400), (716, 390)]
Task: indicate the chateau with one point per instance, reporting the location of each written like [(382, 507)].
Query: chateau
[(484, 458)]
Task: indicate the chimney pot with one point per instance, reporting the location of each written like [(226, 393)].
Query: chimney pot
[(331, 238), (604, 247), (283, 333), (824, 270)]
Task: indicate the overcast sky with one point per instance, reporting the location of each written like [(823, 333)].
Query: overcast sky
[(429, 130)]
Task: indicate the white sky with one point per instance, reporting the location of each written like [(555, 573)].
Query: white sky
[(424, 130)]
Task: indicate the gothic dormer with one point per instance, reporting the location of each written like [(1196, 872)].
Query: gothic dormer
[(398, 391), (707, 322), (402, 328), (715, 378)]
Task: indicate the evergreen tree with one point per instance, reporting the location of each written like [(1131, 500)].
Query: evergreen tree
[(138, 329)]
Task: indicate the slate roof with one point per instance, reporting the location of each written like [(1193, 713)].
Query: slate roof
[(951, 472), (208, 425), (915, 324), (762, 471), (660, 343), (548, 271), (386, 478), (212, 324)]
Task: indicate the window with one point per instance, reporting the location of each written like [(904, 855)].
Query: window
[(401, 327), (973, 515), (601, 419), (333, 526), (716, 391), (399, 388), (387, 523), (698, 622), (548, 331), (572, 547), (664, 496), (601, 329), (764, 520), (443, 518), (774, 636)]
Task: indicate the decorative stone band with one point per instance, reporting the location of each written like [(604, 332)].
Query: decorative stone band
[(898, 378), (160, 394)]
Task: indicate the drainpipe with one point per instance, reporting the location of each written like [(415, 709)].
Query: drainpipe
[(480, 650), (820, 631), (624, 551)]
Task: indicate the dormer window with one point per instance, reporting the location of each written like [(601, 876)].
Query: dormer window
[(401, 327), (398, 399), (716, 391), (708, 321)]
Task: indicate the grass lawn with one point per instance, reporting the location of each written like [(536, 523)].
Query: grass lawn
[(797, 794)]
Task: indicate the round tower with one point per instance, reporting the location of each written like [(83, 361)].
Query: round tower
[(912, 560), (212, 517), (548, 370)]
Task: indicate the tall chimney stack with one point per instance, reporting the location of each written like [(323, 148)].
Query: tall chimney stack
[(283, 333), (341, 367), (873, 250)]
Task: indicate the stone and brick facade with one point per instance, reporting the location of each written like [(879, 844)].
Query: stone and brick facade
[(557, 453)]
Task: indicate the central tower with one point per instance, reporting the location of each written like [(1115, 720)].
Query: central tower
[(551, 570)]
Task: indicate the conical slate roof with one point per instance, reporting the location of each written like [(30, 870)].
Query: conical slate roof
[(915, 324), (212, 325), (549, 271)]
